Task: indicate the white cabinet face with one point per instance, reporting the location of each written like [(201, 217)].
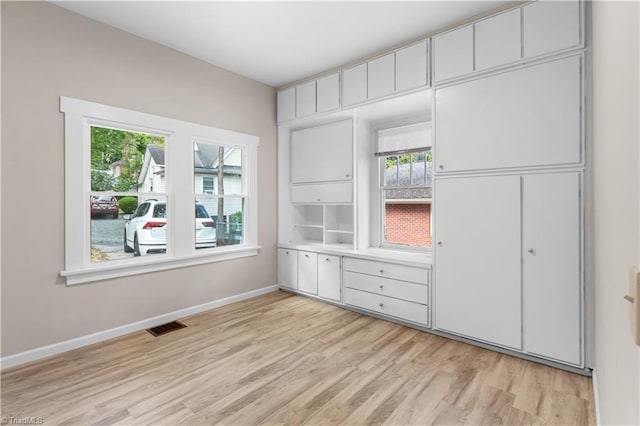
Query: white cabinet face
[(381, 81), (328, 93), (288, 268), (549, 26), (306, 99), (453, 53), (477, 258), (411, 67), (498, 40), (322, 153), (334, 192), (551, 266), (308, 272), (286, 104), (329, 277), (527, 117), (354, 85)]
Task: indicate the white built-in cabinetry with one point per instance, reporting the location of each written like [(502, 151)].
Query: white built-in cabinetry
[(477, 264), (533, 119), (403, 70), (322, 183), (510, 178), (535, 29), (508, 261)]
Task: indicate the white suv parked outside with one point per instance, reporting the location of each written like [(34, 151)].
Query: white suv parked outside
[(146, 231)]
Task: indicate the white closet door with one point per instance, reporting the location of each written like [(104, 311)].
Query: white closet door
[(551, 265), (526, 117), (477, 258), (322, 153)]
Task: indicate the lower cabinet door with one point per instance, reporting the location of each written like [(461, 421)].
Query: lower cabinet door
[(288, 268), (308, 272), (329, 277), (551, 266), (477, 258)]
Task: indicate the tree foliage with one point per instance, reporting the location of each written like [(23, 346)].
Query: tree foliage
[(109, 146)]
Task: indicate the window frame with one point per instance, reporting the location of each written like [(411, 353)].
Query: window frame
[(79, 117)]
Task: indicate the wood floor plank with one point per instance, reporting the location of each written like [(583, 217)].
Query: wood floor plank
[(285, 359)]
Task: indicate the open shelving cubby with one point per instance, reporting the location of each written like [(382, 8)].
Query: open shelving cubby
[(308, 223), (339, 224)]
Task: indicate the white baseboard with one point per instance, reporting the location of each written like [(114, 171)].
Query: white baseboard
[(596, 396), (57, 348)]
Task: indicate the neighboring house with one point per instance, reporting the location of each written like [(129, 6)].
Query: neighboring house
[(152, 175)]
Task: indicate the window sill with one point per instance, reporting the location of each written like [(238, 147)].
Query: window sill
[(104, 272)]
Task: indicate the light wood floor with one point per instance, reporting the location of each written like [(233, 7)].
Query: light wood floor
[(284, 359)]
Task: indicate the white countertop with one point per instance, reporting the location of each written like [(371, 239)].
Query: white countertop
[(402, 257)]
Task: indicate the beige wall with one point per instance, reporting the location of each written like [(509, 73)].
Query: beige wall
[(48, 52), (617, 211)]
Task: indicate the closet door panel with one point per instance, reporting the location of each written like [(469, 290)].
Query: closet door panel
[(477, 258), (551, 265)]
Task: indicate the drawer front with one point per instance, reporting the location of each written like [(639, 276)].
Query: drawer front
[(387, 270), (322, 193), (384, 286), (387, 306)]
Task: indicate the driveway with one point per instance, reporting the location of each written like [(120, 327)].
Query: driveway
[(107, 236)]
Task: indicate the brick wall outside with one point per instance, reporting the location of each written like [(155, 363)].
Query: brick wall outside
[(408, 224)]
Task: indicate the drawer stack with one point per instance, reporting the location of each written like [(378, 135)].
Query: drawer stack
[(388, 289)]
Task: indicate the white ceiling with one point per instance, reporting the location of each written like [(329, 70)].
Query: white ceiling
[(280, 42)]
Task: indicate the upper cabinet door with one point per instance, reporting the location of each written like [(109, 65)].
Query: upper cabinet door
[(411, 67), (498, 40), (354, 85), (306, 99), (381, 81), (522, 118), (551, 265), (328, 93), (550, 25), (453, 53), (477, 258), (322, 153), (286, 104)]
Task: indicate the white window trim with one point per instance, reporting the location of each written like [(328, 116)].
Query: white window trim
[(79, 116)]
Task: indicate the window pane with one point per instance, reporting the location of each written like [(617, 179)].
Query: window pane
[(138, 229), (418, 169), (124, 161), (408, 224), (214, 164), (391, 171), (219, 221)]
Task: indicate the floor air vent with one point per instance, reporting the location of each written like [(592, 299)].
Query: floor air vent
[(166, 328)]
